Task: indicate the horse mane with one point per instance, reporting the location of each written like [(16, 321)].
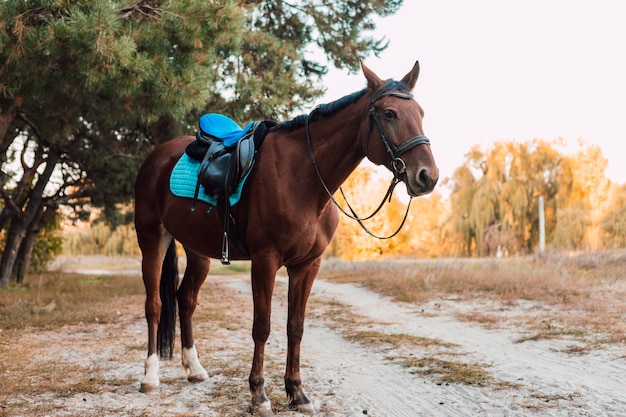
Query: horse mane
[(323, 109), (332, 107)]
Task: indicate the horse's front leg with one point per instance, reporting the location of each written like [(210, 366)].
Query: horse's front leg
[(301, 279), (187, 294), (263, 278)]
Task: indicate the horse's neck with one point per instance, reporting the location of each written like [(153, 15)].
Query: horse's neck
[(336, 146)]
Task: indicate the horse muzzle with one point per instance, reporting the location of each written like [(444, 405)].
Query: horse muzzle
[(421, 182)]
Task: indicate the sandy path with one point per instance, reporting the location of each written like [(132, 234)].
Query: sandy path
[(539, 377), (548, 381), (343, 378)]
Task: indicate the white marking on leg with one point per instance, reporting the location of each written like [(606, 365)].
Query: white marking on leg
[(150, 381), (193, 369), (262, 410)]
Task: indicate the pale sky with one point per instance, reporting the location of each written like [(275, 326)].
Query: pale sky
[(503, 70)]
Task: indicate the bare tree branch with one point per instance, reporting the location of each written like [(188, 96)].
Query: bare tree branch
[(22, 115), (8, 201)]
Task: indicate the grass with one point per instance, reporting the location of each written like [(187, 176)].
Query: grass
[(583, 293), (132, 265), (450, 372), (581, 299), (372, 337), (548, 331), (48, 301), (49, 321), (350, 324)]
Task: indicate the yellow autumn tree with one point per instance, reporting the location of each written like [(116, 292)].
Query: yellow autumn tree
[(426, 231), (613, 224), (584, 198), (364, 191), (458, 225), (496, 195)]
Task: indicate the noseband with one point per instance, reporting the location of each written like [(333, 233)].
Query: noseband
[(397, 163), (395, 152)]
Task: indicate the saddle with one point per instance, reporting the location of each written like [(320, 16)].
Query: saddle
[(226, 152), (228, 158)]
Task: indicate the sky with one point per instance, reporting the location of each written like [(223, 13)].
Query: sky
[(504, 70)]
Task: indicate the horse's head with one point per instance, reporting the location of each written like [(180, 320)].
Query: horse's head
[(393, 132)]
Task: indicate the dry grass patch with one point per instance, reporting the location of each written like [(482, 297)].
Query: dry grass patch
[(31, 366), (215, 308), (539, 401), (50, 354), (50, 301), (549, 331), (486, 320), (448, 371), (371, 337), (585, 293), (336, 315), (350, 325)]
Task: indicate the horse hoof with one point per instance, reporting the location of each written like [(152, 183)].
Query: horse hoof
[(262, 410), (197, 378), (149, 388), (306, 409)]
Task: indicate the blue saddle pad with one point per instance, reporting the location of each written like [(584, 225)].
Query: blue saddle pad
[(223, 127), (184, 178)]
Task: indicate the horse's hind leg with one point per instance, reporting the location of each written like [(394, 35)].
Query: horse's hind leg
[(301, 279), (195, 274), (153, 244)]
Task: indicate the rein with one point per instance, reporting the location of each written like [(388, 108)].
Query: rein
[(397, 163)]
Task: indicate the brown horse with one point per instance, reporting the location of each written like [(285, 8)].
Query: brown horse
[(285, 218)]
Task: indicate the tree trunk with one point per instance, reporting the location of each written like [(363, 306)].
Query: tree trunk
[(24, 256), (6, 119), (15, 236), (25, 253), (22, 221)]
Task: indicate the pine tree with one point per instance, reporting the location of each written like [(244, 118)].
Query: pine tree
[(88, 88)]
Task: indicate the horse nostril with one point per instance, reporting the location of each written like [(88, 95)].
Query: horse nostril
[(423, 177), (427, 178)]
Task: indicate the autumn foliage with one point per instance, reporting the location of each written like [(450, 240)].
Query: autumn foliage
[(491, 206)]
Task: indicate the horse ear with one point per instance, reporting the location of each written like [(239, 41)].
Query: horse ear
[(373, 81), (411, 77)]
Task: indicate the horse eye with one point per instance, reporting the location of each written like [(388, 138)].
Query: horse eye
[(390, 114)]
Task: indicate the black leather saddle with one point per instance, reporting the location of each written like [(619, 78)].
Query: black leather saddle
[(224, 167), (226, 152)]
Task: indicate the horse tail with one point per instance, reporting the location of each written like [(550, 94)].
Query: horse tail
[(169, 284)]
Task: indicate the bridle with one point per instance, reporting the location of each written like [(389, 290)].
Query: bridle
[(397, 163)]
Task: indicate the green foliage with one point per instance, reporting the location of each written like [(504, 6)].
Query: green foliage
[(47, 246), (98, 84)]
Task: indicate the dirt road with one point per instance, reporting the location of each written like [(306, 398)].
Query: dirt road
[(349, 369)]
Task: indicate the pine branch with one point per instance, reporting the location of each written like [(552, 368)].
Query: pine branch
[(142, 7)]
